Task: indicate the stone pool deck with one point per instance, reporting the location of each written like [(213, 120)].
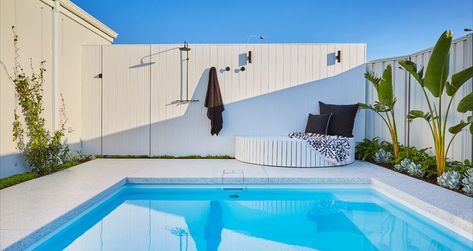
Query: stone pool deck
[(35, 207)]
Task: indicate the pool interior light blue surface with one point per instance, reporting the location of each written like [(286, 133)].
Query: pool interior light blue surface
[(144, 217)]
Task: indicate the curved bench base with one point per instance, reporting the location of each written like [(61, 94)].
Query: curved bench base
[(283, 152)]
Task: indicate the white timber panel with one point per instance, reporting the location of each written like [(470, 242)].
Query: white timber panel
[(126, 100), (91, 100), (184, 129)]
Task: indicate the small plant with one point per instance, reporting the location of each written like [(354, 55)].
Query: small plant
[(459, 166), (402, 166), (384, 107), (44, 151), (408, 166), (435, 80), (382, 156), (418, 157), (450, 179), (467, 182), (414, 169), (367, 149)]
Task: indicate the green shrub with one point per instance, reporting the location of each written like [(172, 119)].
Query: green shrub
[(459, 166), (73, 160), (367, 149), (16, 179), (43, 150), (419, 157)]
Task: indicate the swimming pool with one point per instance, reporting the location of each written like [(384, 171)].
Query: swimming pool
[(148, 217)]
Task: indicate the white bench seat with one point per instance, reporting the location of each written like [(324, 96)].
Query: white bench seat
[(282, 152)]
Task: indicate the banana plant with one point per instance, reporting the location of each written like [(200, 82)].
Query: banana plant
[(384, 107), (435, 80)]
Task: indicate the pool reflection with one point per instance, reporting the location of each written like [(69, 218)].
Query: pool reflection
[(322, 223)]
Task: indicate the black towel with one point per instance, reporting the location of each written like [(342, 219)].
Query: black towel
[(214, 103)]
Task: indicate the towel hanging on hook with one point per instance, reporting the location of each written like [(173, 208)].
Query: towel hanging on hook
[(214, 103)]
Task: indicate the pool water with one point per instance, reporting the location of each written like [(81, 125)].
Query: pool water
[(144, 217)]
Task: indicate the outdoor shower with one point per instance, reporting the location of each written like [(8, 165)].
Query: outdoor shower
[(250, 56), (185, 49)]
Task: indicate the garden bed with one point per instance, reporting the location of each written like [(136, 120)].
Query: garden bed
[(23, 177), (429, 179), (416, 163)]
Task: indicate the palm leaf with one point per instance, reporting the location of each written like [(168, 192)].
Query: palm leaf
[(466, 104), (458, 79), (411, 67), (415, 114), (459, 127), (437, 68), (371, 76), (385, 87)]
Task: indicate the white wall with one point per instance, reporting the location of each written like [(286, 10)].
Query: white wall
[(33, 20), (273, 96), (410, 97)]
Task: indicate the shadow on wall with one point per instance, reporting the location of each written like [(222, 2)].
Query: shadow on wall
[(273, 114), (13, 163)]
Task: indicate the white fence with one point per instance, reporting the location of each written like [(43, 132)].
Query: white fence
[(129, 110), (55, 37), (409, 97)]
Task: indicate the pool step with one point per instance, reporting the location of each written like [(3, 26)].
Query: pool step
[(232, 176)]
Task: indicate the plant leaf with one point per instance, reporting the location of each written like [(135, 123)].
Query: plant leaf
[(371, 76), (414, 114), (466, 104), (458, 79), (381, 107), (458, 127), (362, 106), (385, 87), (437, 68), (411, 67), (377, 107)]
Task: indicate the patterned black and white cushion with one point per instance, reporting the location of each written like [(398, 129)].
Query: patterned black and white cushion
[(335, 149)]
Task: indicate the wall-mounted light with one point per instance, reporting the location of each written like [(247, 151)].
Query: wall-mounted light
[(250, 57), (338, 57)]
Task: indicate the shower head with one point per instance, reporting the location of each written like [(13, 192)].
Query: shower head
[(185, 47), (254, 37)]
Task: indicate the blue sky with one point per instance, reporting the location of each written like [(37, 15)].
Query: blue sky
[(390, 28)]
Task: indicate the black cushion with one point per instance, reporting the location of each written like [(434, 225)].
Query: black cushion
[(318, 123), (342, 120)]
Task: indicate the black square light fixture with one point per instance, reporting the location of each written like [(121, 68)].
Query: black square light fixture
[(339, 56)]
